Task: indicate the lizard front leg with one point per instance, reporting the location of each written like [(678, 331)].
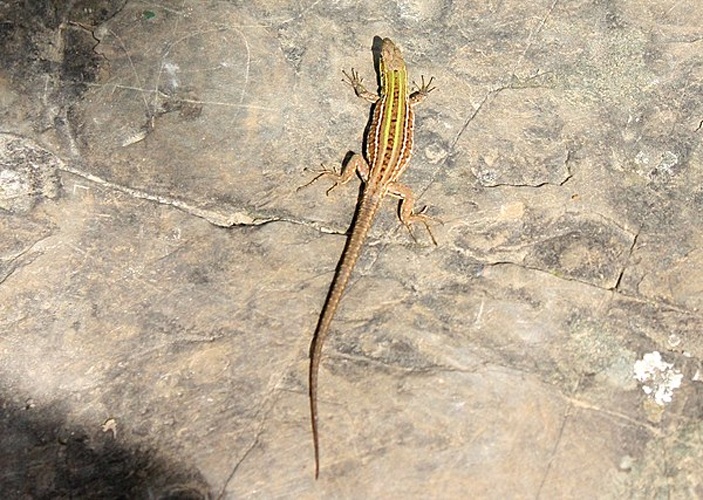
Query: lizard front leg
[(422, 92), (355, 80)]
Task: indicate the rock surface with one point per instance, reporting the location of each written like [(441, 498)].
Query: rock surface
[(161, 276)]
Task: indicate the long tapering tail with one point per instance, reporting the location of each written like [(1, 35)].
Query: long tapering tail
[(361, 225)]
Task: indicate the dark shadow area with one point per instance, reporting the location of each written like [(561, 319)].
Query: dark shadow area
[(52, 38), (47, 55), (44, 458)]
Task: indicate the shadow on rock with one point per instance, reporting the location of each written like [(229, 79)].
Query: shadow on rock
[(42, 457)]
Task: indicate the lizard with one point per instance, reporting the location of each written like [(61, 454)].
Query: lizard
[(388, 148)]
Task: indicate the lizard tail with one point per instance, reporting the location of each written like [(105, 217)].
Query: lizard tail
[(363, 220)]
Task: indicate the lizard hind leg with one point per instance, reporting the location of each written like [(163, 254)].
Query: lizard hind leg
[(355, 164), (325, 171), (406, 210)]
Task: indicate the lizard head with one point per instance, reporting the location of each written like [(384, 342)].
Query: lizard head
[(391, 58)]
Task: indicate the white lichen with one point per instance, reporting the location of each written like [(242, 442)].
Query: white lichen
[(659, 379)]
